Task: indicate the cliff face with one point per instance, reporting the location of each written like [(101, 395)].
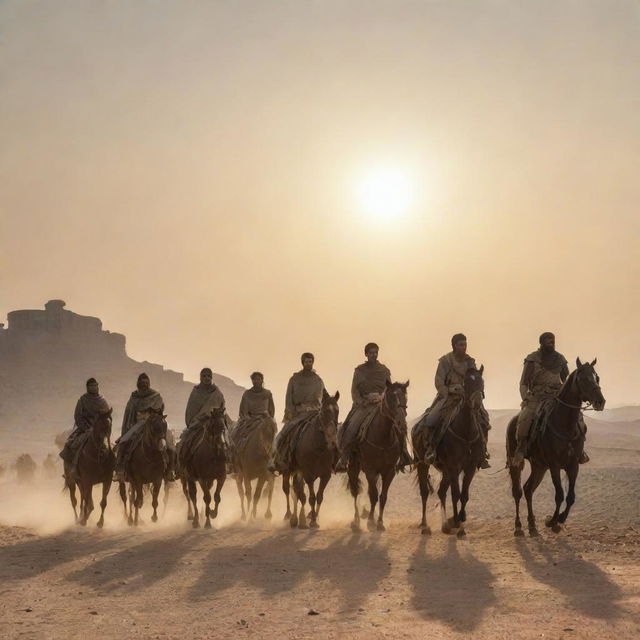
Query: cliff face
[(46, 357)]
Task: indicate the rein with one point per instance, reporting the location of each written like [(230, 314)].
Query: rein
[(395, 424)]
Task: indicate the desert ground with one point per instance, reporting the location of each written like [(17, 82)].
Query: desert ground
[(265, 580)]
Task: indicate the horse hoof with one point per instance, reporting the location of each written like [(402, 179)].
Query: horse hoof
[(130, 522), (371, 525), (365, 513), (355, 527), (154, 518), (313, 524), (426, 531), (461, 533), (100, 524), (381, 527), (533, 533), (462, 516), (556, 528), (83, 523), (207, 525), (446, 528), (287, 516), (549, 521), (293, 522), (518, 533), (302, 525), (452, 523), (243, 517), (195, 524), (189, 517), (268, 515)]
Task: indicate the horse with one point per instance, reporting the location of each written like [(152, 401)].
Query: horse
[(558, 447), (459, 451), (251, 459), (378, 453), (95, 466), (313, 457), (206, 463), (25, 467), (146, 466)]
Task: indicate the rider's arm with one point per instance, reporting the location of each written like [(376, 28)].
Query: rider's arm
[(355, 392), (288, 402), (527, 377), (78, 416), (564, 372), (272, 407), (441, 379), (244, 409)]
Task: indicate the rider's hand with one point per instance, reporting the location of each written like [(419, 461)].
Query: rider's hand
[(456, 389)]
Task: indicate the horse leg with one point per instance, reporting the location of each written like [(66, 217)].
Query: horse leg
[(270, 483), (442, 495), (353, 471), (165, 500), (372, 484), (106, 486), (74, 501), (139, 501), (537, 473), (216, 496), (387, 479), (552, 521), (324, 480), (467, 477), (516, 492), (206, 493), (193, 496), (572, 474), (293, 519), (155, 492), (423, 481), (257, 495), (84, 501), (286, 489), (298, 487), (239, 481), (185, 491), (313, 514), (247, 493)]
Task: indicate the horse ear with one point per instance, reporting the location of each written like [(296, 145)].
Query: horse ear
[(595, 360), (406, 384), (325, 395), (578, 363), (481, 370), (110, 411), (337, 396)]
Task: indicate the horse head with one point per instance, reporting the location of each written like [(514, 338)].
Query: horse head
[(215, 424), (329, 417), (395, 398), (156, 429), (588, 383), (102, 428), (474, 387)]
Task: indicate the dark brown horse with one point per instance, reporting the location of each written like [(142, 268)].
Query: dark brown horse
[(95, 466), (313, 457), (378, 453), (206, 462), (459, 451), (146, 466), (558, 447), (251, 459)]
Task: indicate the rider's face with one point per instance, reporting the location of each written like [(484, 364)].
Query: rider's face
[(372, 355), (461, 348), (206, 378), (549, 343), (144, 384), (93, 387), (257, 382), (307, 364)]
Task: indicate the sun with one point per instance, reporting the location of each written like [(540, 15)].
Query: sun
[(384, 192)]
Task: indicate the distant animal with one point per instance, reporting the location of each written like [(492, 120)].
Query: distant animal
[(204, 463), (25, 468), (313, 457), (378, 454), (50, 466), (459, 451), (95, 466), (146, 465), (557, 447)]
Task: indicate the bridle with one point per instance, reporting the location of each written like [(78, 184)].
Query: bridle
[(581, 407)]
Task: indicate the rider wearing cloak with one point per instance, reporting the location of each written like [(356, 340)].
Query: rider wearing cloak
[(303, 400), (449, 383), (90, 405), (370, 381), (204, 398), (543, 375), (256, 409), (142, 402)]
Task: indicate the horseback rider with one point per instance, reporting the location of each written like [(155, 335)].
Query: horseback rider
[(370, 381), (89, 406), (142, 402), (449, 382), (204, 397), (303, 399), (543, 375)]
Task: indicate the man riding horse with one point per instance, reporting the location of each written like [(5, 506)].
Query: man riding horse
[(256, 407), (544, 372), (204, 398), (303, 400), (449, 382), (90, 405), (143, 401), (370, 381)]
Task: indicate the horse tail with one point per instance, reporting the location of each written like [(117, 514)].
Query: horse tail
[(510, 440), (354, 485)]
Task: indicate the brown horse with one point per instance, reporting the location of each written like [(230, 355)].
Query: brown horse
[(459, 451), (251, 459), (378, 453), (558, 447), (314, 455), (95, 466), (206, 463), (146, 466)]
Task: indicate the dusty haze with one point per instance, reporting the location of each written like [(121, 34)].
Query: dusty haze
[(185, 171)]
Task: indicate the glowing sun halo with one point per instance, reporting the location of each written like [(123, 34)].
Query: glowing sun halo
[(384, 193)]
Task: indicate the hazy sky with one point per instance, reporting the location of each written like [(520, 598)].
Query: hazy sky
[(187, 172)]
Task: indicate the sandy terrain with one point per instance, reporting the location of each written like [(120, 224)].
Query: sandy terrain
[(262, 580)]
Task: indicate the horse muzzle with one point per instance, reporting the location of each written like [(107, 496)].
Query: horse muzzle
[(598, 404)]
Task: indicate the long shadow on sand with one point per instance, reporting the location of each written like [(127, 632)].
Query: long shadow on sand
[(38, 555), (454, 588), (353, 564), (136, 567), (586, 587)]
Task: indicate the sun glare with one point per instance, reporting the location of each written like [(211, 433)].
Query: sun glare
[(384, 193)]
